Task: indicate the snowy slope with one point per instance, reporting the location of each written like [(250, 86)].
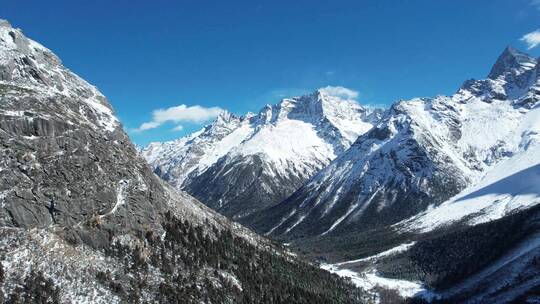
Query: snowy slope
[(423, 152), (510, 185), (508, 278), (402, 164), (280, 147), (175, 160), (431, 167)]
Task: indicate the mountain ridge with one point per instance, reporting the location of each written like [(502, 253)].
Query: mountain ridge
[(436, 185), (415, 140), (83, 219), (288, 141)]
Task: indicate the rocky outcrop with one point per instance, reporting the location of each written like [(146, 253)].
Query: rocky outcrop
[(84, 219)]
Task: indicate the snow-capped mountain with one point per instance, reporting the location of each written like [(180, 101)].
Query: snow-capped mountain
[(439, 200), (423, 152), (175, 160), (512, 183), (83, 219), (238, 165)]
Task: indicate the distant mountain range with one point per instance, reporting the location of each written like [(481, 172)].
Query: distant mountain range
[(431, 200), (421, 153), (239, 165), (460, 172)]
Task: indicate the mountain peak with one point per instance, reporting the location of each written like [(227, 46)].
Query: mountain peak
[(511, 50), (266, 157), (225, 115), (249, 115), (224, 118), (511, 61), (4, 23)]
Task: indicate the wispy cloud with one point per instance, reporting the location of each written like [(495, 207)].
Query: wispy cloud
[(532, 39), (179, 114), (178, 128), (536, 3), (341, 92), (330, 73)]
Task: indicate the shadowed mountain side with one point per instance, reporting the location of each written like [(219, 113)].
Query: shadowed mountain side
[(524, 182)]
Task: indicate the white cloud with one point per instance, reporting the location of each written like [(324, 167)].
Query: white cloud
[(340, 92), (178, 128), (536, 3), (148, 126), (532, 39), (181, 113)]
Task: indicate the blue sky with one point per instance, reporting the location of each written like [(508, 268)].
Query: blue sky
[(240, 55)]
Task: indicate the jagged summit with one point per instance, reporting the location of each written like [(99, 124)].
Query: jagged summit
[(432, 169), (306, 107), (512, 61), (279, 148), (225, 117), (422, 152), (512, 77)]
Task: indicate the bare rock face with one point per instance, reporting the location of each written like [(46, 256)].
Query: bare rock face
[(65, 159), (58, 173), (84, 219)]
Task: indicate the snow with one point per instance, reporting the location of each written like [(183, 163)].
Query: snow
[(199, 150), (290, 141), (391, 251), (155, 150), (485, 124), (120, 197), (12, 113), (231, 278), (281, 222), (106, 117), (342, 113), (340, 219), (54, 79), (141, 183), (300, 219), (465, 138), (229, 142), (3, 195), (510, 184), (370, 280), (296, 136), (41, 250), (350, 210)]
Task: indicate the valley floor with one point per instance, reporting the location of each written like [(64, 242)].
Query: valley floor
[(369, 280)]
